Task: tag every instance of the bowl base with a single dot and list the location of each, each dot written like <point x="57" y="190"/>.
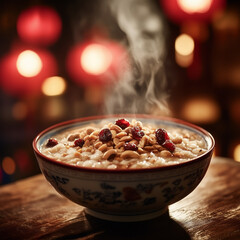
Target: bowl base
<point x="126" y="218"/>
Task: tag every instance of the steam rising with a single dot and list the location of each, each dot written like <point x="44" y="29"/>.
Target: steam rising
<point x="141" y="89"/>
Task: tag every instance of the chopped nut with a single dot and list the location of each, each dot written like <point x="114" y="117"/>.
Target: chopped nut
<point x="130" y="154"/>
<point x="177" y="140"/>
<point x="116" y="128"/>
<point x="126" y="139"/>
<point x="128" y="130"/>
<point x="103" y="148"/>
<point x="134" y="141"/>
<point x="165" y="153"/>
<point x="109" y="153"/>
<point x="141" y="151"/>
<point x="139" y="124"/>
<point x="121" y="134"/>
<point x="116" y="141"/>
<point x="113" y="133"/>
<point x="95" y="133"/>
<point x="143" y="141"/>
<point x="148" y="148"/>
<point x="90" y="130"/>
<point x="98" y="144"/>
<point x="72" y="137"/>
<point x="86" y="143"/>
<point x="119" y="145"/>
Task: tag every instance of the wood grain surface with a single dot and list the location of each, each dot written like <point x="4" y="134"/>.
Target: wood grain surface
<point x="32" y="209"/>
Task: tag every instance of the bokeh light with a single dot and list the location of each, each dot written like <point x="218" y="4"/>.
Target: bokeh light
<point x="236" y="153"/>
<point x="193" y="6"/>
<point x="54" y="109"/>
<point x="54" y="86"/>
<point x="181" y="11"/>
<point x="204" y="110"/>
<point x="96" y="59"/>
<point x="184" y="50"/>
<point x="29" y="63"/>
<point x="8" y="165"/>
<point x="96" y="63"/>
<point x="18" y="85"/>
<point x="184" y="44"/>
<point x="39" y="25"/>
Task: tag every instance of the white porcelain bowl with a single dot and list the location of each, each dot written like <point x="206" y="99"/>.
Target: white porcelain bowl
<point x="124" y="195"/>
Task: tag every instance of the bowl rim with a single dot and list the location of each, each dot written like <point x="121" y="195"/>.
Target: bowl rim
<point x="117" y="116"/>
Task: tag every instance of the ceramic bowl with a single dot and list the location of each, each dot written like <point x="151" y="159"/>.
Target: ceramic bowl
<point x="124" y="195"/>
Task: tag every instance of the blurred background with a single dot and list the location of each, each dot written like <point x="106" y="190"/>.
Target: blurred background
<point x="64" y="60"/>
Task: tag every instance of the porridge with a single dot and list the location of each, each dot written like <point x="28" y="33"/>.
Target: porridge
<point x="124" y="144"/>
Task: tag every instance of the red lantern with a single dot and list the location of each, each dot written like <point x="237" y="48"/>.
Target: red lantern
<point x="94" y="63"/>
<point x="12" y="79"/>
<point x="39" y="25"/>
<point x="186" y="10"/>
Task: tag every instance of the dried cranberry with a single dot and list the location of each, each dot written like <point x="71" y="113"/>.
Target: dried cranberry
<point x="137" y="133"/>
<point x="130" y="146"/>
<point x="122" y="123"/>
<point x="105" y="135"/>
<point x="51" y="142"/>
<point x="79" y="142"/>
<point x="169" y="145"/>
<point x="161" y="135"/>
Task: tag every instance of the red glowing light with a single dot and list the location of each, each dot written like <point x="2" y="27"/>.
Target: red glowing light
<point x="93" y="63"/>
<point x="19" y="85"/>
<point x="39" y="25"/>
<point x="189" y="6"/>
<point x="184" y="10"/>
<point x="95" y="59"/>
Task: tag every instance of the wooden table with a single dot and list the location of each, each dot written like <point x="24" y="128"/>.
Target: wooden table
<point x="32" y="209"/>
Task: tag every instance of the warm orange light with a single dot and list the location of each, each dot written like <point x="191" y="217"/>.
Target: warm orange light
<point x="29" y="63"/>
<point x="8" y="165"/>
<point x="194" y="6"/>
<point x="184" y="48"/>
<point x="184" y="44"/>
<point x="236" y="153"/>
<point x="55" y="108"/>
<point x="201" y="110"/>
<point x="96" y="59"/>
<point x="54" y="86"/>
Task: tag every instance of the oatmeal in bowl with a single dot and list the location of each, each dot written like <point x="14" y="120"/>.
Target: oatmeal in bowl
<point x="124" y="144"/>
<point x="124" y="168"/>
